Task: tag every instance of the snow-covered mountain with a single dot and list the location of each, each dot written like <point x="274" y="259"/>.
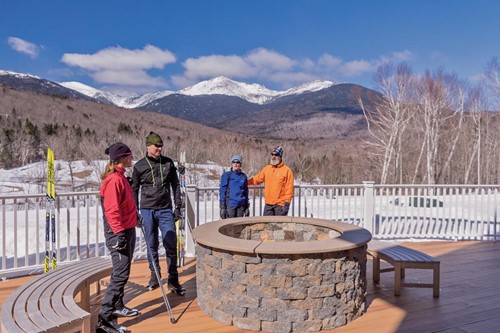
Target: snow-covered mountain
<point x="308" y="87"/>
<point x="253" y="93"/>
<point x="19" y="75"/>
<point x="122" y="101"/>
<point x="39" y="85"/>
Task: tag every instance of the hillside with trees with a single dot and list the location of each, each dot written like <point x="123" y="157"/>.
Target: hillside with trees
<point x="430" y="128"/>
<point x="80" y="130"/>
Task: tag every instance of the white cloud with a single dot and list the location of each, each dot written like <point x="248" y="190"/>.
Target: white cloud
<point x="216" y="65"/>
<point x="262" y="59"/>
<point x="128" y="69"/>
<point x="23" y="46"/>
<point x="396" y="57"/>
<point x="123" y="67"/>
<point x="330" y="61"/>
<point x="355" y="68"/>
<point x="269" y="65"/>
<point x="260" y="64"/>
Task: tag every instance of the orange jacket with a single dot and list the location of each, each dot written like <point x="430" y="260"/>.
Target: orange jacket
<point x="278" y="187"/>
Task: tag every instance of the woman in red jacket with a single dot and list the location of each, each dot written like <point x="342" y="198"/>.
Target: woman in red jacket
<point x="120" y="220"/>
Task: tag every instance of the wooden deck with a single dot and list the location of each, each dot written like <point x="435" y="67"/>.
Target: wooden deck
<point x="468" y="302"/>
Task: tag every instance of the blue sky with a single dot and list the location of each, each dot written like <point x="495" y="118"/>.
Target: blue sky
<point x="145" y="46"/>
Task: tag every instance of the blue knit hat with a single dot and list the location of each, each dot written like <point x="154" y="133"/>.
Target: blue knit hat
<point x="236" y="158"/>
<point x="278" y="151"/>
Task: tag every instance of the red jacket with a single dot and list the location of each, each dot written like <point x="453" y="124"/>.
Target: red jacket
<point x="278" y="187"/>
<point x="118" y="201"/>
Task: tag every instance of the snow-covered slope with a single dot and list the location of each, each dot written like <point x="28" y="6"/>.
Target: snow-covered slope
<point x="125" y="102"/>
<point x="19" y="75"/>
<point x="253" y="93"/>
<point x="29" y="179"/>
<point x="308" y="87"/>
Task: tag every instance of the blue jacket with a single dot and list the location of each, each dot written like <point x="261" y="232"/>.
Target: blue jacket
<point x="238" y="189"/>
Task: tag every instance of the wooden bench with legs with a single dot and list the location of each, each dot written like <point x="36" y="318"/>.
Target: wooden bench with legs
<point x="47" y="303"/>
<point x="401" y="258"/>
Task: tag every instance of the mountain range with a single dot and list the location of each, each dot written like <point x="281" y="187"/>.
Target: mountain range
<point x="315" y="110"/>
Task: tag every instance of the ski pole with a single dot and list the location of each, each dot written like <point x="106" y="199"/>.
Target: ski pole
<point x="165" y="299"/>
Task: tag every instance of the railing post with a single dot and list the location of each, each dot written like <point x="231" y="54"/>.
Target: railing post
<point x="300" y="201"/>
<point x="192" y="218"/>
<point x="368" y="206"/>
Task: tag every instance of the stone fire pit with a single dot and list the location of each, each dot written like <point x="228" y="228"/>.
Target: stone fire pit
<point x="280" y="273"/>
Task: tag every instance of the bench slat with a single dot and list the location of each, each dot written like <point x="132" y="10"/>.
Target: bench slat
<point x="49" y="302"/>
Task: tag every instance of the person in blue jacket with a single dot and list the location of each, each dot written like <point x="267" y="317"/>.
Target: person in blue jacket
<point x="233" y="192"/>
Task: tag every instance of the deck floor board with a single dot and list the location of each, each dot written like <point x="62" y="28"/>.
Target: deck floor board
<point x="468" y="299"/>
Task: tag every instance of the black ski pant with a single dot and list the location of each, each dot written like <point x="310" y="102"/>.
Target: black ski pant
<point x="236" y="211"/>
<point x="270" y="210"/>
<point x="121" y="260"/>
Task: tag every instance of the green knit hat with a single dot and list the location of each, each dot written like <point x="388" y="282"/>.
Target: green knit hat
<point x="153" y="139"/>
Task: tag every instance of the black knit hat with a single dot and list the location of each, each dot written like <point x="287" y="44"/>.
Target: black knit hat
<point x="118" y="151"/>
<point x="153" y="139"/>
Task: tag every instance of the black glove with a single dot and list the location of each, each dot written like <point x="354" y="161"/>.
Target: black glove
<point x="177" y="213"/>
<point x="285" y="208"/>
<point x="121" y="242"/>
<point x="182" y="169"/>
<point x="223" y="213"/>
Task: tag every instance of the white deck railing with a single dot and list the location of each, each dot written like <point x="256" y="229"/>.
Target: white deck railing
<point x="397" y="212"/>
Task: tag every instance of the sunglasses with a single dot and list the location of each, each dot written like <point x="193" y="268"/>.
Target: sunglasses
<point x="274" y="154"/>
<point x="159" y="146"/>
<point x="236" y="162"/>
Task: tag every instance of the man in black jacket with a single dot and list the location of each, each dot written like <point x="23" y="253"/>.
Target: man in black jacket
<point x="155" y="176"/>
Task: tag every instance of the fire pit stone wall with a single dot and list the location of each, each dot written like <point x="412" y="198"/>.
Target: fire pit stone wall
<point x="281" y="274"/>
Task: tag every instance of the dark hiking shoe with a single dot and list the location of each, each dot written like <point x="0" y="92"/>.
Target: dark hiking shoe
<point x="109" y="326"/>
<point x="175" y="286"/>
<point x="126" y="312"/>
<point x="153" y="282"/>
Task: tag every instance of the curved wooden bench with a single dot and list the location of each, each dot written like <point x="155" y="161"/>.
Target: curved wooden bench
<point x="401" y="257"/>
<point x="47" y="303"/>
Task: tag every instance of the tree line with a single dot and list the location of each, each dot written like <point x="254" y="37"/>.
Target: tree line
<point x="435" y="128"/>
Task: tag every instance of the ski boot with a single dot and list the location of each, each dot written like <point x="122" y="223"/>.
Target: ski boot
<point x="175" y="286"/>
<point x="109" y="326"/>
<point x="153" y="282"/>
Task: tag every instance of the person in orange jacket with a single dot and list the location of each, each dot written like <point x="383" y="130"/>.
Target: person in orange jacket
<point x="278" y="184"/>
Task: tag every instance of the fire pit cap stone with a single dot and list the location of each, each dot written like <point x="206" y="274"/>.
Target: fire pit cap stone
<point x="351" y="236"/>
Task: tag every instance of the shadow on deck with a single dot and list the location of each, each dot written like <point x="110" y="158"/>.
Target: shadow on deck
<point x="468" y="299"/>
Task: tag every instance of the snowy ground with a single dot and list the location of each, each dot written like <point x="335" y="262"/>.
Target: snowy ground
<point x="31" y="179"/>
<point x="462" y="214"/>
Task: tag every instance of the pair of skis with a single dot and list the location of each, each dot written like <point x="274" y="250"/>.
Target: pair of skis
<point x="50" y="260"/>
<point x="181" y="222"/>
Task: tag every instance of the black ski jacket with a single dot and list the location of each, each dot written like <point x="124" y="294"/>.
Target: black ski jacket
<point x="154" y="178"/>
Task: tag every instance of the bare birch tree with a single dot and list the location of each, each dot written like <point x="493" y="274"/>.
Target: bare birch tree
<point x="437" y="105"/>
<point x="387" y="123"/>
